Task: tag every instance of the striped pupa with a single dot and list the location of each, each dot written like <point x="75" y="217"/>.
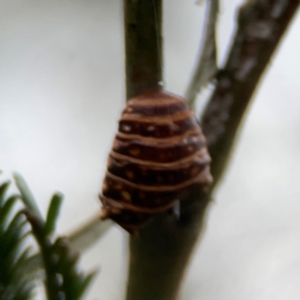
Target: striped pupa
<point x="158" y="153"/>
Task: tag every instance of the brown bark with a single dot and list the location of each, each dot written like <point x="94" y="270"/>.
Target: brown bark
<point x="159" y="255"/>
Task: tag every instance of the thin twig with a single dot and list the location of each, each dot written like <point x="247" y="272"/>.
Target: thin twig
<point x="85" y="236"/>
<point x="206" y="66"/>
<point x="81" y="239"/>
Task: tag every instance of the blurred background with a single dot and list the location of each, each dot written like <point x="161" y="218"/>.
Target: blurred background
<point x="61" y="94"/>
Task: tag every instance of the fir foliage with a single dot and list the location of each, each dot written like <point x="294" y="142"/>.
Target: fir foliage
<point x="14" y="255"/>
<point x="59" y="268"/>
<point x="62" y="279"/>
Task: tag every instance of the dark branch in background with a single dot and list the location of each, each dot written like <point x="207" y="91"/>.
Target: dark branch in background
<point x="261" y="24"/>
<point x="143" y="45"/>
<point x="159" y="256"/>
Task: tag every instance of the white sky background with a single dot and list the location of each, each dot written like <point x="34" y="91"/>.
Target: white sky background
<point x="61" y="93"/>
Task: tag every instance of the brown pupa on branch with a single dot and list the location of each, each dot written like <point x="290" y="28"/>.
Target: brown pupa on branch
<point x="158" y="153"/>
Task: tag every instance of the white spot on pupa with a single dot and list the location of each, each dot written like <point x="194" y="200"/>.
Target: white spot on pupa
<point x="134" y="151"/>
<point x="185" y="141"/>
<point x="174" y="127"/>
<point x="126" y="128"/>
<point x="151" y="128"/>
<point x="194" y="139"/>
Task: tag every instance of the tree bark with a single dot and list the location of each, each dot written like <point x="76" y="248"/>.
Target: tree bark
<point x="160" y="254"/>
<point x="143" y="45"/>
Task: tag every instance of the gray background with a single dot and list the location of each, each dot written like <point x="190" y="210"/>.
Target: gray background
<point x="61" y="93"/>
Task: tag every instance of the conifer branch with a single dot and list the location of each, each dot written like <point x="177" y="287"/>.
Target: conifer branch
<point x="15" y="282"/>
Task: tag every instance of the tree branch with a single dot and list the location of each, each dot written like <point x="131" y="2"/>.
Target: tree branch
<point x="160" y="254"/>
<point x="143" y="45"/>
<point x="261" y="25"/>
